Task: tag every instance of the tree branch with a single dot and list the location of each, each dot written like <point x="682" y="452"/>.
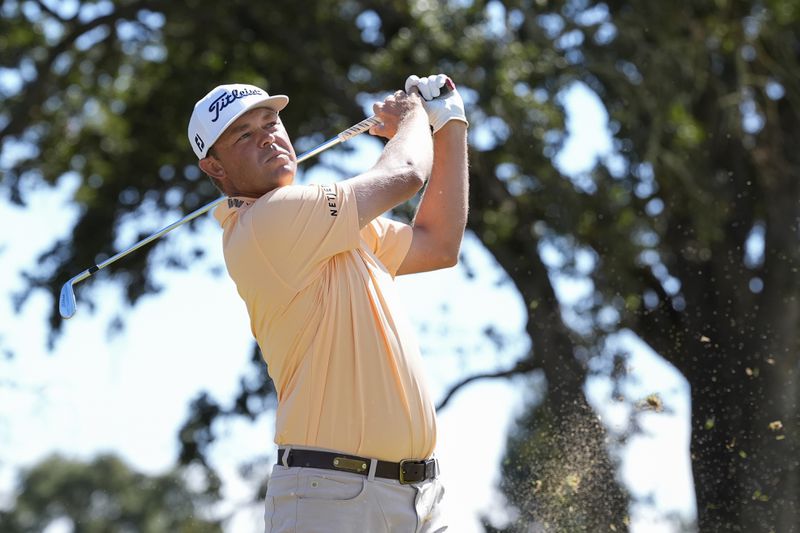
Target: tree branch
<point x="520" y="367"/>
<point x="34" y="92"/>
<point x="44" y="7"/>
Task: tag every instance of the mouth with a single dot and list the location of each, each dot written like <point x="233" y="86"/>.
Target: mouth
<point x="275" y="156"/>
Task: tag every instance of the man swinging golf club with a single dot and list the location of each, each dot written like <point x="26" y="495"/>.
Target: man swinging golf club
<point x="315" y="266"/>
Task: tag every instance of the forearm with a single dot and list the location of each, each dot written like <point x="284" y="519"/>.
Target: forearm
<point x="442" y="212"/>
<point x="411" y="146"/>
<point x="402" y="169"/>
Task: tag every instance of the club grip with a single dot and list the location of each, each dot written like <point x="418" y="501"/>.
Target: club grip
<point x="449" y="87"/>
<point x="446" y="89"/>
<point x="359" y="128"/>
<point x="367" y="123"/>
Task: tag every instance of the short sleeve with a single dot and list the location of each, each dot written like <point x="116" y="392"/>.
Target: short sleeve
<point x="300" y="227"/>
<point x="389" y="240"/>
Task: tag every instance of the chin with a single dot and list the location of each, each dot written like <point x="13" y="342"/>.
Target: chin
<point x="286" y="177"/>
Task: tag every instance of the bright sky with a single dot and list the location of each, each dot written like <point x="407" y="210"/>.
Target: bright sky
<point x="127" y="393"/>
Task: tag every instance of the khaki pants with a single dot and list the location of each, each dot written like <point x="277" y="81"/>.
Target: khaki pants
<point x="311" y="500"/>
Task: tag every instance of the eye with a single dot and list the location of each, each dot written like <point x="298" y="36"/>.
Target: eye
<point x="243" y="136"/>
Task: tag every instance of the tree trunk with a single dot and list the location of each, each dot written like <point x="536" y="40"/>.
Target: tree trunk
<point x="740" y="357"/>
<point x="744" y="451"/>
<point x="558" y="473"/>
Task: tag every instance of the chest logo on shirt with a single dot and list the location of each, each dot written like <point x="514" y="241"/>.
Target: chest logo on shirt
<point x="330" y="196"/>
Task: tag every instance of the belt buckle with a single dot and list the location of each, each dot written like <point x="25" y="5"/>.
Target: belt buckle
<point x="402" y="473"/>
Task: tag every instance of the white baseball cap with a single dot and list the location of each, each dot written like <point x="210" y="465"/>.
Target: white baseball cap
<point x="221" y="107"/>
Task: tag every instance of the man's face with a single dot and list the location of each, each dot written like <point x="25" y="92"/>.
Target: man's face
<point x="253" y="156"/>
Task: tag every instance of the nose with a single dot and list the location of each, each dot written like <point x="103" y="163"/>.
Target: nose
<point x="267" y="137"/>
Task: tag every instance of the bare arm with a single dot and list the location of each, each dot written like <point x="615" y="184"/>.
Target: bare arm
<point x="405" y="162"/>
<point x="442" y="214"/>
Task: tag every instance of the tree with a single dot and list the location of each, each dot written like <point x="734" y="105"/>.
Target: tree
<point x="106" y="495"/>
<point x="704" y="102"/>
<point x="708" y="109"/>
<point x="690" y="229"/>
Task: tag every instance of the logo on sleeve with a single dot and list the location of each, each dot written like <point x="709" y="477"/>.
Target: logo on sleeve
<point x="330" y="196"/>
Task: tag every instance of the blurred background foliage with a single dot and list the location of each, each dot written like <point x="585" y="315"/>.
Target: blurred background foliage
<point x="106" y="495"/>
<point x="688" y="232"/>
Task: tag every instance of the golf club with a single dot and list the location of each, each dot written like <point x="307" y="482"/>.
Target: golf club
<point x="66" y="301"/>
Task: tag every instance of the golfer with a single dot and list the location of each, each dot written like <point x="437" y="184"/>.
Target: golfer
<point x="315" y="266"/>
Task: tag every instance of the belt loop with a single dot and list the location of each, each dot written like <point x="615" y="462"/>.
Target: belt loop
<point x="285" y="458"/>
<point x="373" y="465"/>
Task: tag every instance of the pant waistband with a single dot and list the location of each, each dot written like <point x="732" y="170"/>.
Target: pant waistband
<point x="406" y="471"/>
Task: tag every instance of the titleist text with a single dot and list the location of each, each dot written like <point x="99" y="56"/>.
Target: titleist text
<point x="226" y="98"/>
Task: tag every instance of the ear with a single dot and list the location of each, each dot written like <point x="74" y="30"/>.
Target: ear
<point x="213" y="167"/>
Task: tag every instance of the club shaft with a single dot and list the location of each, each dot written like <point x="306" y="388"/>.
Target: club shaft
<point x="347" y="134"/>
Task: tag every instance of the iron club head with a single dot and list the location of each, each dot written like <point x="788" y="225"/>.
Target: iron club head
<point x="66" y="301"/>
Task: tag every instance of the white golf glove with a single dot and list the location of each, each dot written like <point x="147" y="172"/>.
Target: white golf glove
<point x="440" y="110"/>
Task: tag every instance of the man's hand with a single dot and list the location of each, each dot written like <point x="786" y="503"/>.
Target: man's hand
<point x="393" y="111"/>
<point x="440" y="110"/>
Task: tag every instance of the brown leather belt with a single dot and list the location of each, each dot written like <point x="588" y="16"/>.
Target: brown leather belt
<point x="406" y="471"/>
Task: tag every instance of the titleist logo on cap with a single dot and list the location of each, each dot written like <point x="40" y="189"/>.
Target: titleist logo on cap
<point x="226" y="98"/>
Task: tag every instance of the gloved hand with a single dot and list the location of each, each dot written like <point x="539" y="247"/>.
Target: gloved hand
<point x="440" y="110"/>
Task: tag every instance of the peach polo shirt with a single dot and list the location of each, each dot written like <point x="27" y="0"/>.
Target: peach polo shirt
<point x="323" y="307"/>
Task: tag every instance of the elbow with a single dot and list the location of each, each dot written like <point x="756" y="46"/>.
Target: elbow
<point x="450" y="260"/>
<point x="419" y="172"/>
<point x="419" y="168"/>
<point x="438" y="250"/>
<point x="448" y="257"/>
<point x="414" y="176"/>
